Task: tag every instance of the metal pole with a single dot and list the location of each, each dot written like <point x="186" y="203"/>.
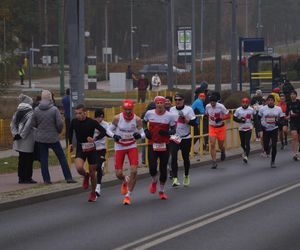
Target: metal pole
<point x="106" y="42"/>
<point x="218" y="57"/>
<point x="4" y="35"/>
<point x="233" y="47"/>
<point x="201" y="35"/>
<point x="46" y="28"/>
<point x="29" y="69"/>
<point x="81" y="52"/>
<point x="246" y="20"/>
<point x="131" y="30"/>
<point x="259" y="25"/>
<point x="193" y="49"/>
<point x="61" y="46"/>
<point x="169" y="45"/>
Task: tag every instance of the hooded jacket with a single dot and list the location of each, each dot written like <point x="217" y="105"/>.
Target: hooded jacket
<point x="21" y="124"/>
<point x="47" y="121"/>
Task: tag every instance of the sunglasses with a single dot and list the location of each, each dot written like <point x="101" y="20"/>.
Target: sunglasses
<point x="178" y="100"/>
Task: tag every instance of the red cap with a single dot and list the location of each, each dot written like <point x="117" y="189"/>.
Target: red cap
<point x="245" y="100"/>
<point x="276" y="90"/>
<point x="159" y="99"/>
<point x="128" y="104"/>
<point x="201" y="95"/>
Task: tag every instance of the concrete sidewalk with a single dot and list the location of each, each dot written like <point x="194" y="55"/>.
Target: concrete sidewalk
<point x="13" y="194"/>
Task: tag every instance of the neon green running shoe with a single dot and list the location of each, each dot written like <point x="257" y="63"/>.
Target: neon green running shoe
<point x="186" y="180"/>
<point x="175" y="182"/>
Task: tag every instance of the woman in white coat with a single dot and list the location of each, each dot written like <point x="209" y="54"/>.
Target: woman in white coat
<point x="24" y="138"/>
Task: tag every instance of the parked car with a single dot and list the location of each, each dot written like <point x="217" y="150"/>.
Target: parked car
<point x="159" y="69"/>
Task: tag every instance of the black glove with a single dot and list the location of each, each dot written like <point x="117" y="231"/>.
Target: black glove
<point x="137" y="136"/>
<point x="117" y="138"/>
<point x="218" y="120"/>
<point x="163" y="132"/>
<point x="17" y="137"/>
<point x="242" y="120"/>
<point x="147" y="133"/>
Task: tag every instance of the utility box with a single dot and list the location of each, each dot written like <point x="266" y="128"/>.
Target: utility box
<point x="119" y="83"/>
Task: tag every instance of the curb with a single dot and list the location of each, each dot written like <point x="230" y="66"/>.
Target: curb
<point x="77" y="190"/>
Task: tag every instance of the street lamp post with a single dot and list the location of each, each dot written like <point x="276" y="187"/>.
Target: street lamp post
<point x="201" y="35"/>
<point x="131" y="30"/>
<point x="193" y="48"/>
<point x="234" y="47"/>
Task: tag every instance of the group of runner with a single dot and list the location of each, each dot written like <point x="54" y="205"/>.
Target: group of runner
<point x="168" y="131"/>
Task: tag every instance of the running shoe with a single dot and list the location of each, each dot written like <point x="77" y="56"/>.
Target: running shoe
<point x="171" y="175"/>
<point x="126" y="200"/>
<point x="296" y="158"/>
<point x="163" y="196"/>
<point x="257" y="139"/>
<point x="214" y="165"/>
<point x="98" y="190"/>
<point x="124" y="188"/>
<point x="92" y="197"/>
<point x="175" y="182"/>
<point x="223" y="156"/>
<point x="245" y="159"/>
<point x="85" y="183"/>
<point x="152" y="187"/>
<point x="273" y="164"/>
<point x="186" y="180"/>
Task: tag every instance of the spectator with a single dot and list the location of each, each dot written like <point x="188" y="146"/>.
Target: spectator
<point x="199" y="109"/>
<point x="142" y="86"/>
<point x="48" y="123"/>
<point x="36" y="102"/>
<point x="287" y="89"/>
<point x="23" y="138"/>
<point x="155" y="81"/>
<point x="21" y="73"/>
<point x="203" y="88"/>
<point x="66" y="101"/>
<point x="275" y="93"/>
<point x="130" y="75"/>
<point x="257" y="99"/>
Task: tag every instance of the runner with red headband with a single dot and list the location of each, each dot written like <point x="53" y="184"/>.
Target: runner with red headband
<point x="244" y="116"/>
<point x="161" y="127"/>
<point x="216" y="113"/>
<point x="126" y="128"/>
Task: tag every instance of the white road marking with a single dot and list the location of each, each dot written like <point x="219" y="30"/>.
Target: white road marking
<point x="203" y="220"/>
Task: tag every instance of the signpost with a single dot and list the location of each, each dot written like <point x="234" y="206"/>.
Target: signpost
<point x="184" y="44"/>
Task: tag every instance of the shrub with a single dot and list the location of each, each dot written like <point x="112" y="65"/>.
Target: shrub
<point x="234" y="100"/>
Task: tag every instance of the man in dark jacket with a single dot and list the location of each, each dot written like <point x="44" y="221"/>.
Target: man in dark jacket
<point x="142" y="86"/>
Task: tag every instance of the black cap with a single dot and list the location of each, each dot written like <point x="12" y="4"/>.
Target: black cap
<point x="99" y="113"/>
<point x="179" y="95"/>
<point x="213" y="98"/>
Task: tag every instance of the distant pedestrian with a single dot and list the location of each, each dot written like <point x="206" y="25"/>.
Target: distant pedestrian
<point x="21" y="73"/>
<point x="48" y="123"/>
<point x="155" y="81"/>
<point x="142" y="86"/>
<point x="23" y="138"/>
<point x="66" y="101"/>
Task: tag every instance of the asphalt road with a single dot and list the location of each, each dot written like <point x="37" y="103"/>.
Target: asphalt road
<point x="233" y="207"/>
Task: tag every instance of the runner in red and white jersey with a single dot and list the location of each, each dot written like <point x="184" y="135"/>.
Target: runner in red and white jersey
<point x="161" y="126"/>
<point x="244" y="116"/>
<point x="216" y="113"/>
<point x="126" y="128"/>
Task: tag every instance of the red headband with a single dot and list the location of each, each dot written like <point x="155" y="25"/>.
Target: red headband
<point x="159" y="99"/>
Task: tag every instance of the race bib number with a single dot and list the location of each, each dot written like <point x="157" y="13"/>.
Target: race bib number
<point x="88" y="146"/>
<point x="159" y="146"/>
<point x="127" y="136"/>
<point x="176" y="138"/>
<point x="270" y="120"/>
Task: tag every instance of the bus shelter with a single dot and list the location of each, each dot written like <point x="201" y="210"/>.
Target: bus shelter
<point x="264" y="71"/>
